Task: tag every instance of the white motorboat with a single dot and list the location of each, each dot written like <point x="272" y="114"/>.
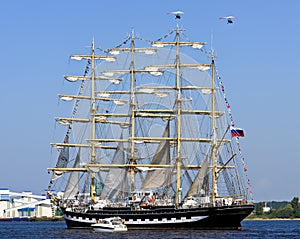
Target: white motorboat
<point x="112" y="224"/>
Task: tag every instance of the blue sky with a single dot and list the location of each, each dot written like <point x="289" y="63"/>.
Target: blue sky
<point x="257" y="57"/>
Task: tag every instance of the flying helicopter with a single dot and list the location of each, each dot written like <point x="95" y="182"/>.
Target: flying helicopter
<point x="228" y="18"/>
<point x="177" y="14"/>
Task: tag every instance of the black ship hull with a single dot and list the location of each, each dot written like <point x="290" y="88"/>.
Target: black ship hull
<point x="226" y="217"/>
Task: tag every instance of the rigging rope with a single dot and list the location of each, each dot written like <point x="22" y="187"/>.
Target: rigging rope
<point x="236" y="138"/>
<point x="118" y="46"/>
<point x="79" y="93"/>
<point x="66" y="139"/>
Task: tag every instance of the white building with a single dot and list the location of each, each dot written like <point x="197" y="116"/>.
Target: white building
<point x="25" y="205"/>
<point x="266" y="209"/>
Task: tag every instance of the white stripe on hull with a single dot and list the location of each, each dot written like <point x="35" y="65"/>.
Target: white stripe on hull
<point x="141" y="222"/>
<point x="164" y="220"/>
<point x="80" y="219"/>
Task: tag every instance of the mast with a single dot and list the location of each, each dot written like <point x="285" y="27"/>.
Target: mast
<point x="213" y="127"/>
<point x="178" y="159"/>
<point x="132" y="107"/>
<point x="93" y="125"/>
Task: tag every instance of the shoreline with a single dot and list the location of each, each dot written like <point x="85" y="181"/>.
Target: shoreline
<point x="32" y="219"/>
<point x="271" y="219"/>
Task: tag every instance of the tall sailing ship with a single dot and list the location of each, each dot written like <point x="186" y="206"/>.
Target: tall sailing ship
<point x="151" y="139"/>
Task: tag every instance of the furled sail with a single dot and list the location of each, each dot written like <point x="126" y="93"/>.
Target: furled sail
<point x="115" y="178"/>
<point x="197" y="184"/>
<point x="62" y="162"/>
<point x="160" y="176"/>
<point x="72" y="186"/>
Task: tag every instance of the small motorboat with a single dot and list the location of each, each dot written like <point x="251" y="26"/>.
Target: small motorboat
<point x="111" y="224"/>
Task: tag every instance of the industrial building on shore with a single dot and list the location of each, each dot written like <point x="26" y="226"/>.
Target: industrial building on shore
<point x="26" y="206"/>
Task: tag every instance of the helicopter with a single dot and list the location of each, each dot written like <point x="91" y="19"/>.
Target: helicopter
<point x="177" y="14"/>
<point x="228" y="18"/>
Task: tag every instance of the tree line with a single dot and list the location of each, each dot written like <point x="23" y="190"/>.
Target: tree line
<point x="278" y="209"/>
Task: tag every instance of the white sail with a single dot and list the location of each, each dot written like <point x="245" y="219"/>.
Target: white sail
<point x="159" y="177"/>
<point x="72" y="186"/>
<point x="115" y="178"/>
<point x="199" y="179"/>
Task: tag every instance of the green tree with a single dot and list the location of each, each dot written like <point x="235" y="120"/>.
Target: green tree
<point x="259" y="209"/>
<point x="286" y="212"/>
<point x="295" y="206"/>
<point x="273" y="213"/>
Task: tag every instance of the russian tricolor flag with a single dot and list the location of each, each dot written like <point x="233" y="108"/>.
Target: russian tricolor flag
<point x="236" y="132"/>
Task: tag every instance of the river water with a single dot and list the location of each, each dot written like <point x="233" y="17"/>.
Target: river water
<point x="252" y="229"/>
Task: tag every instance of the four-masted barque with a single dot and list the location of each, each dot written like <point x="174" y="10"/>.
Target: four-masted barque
<point x="149" y="140"/>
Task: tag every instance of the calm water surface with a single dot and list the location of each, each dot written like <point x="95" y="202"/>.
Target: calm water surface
<point x="54" y="230"/>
